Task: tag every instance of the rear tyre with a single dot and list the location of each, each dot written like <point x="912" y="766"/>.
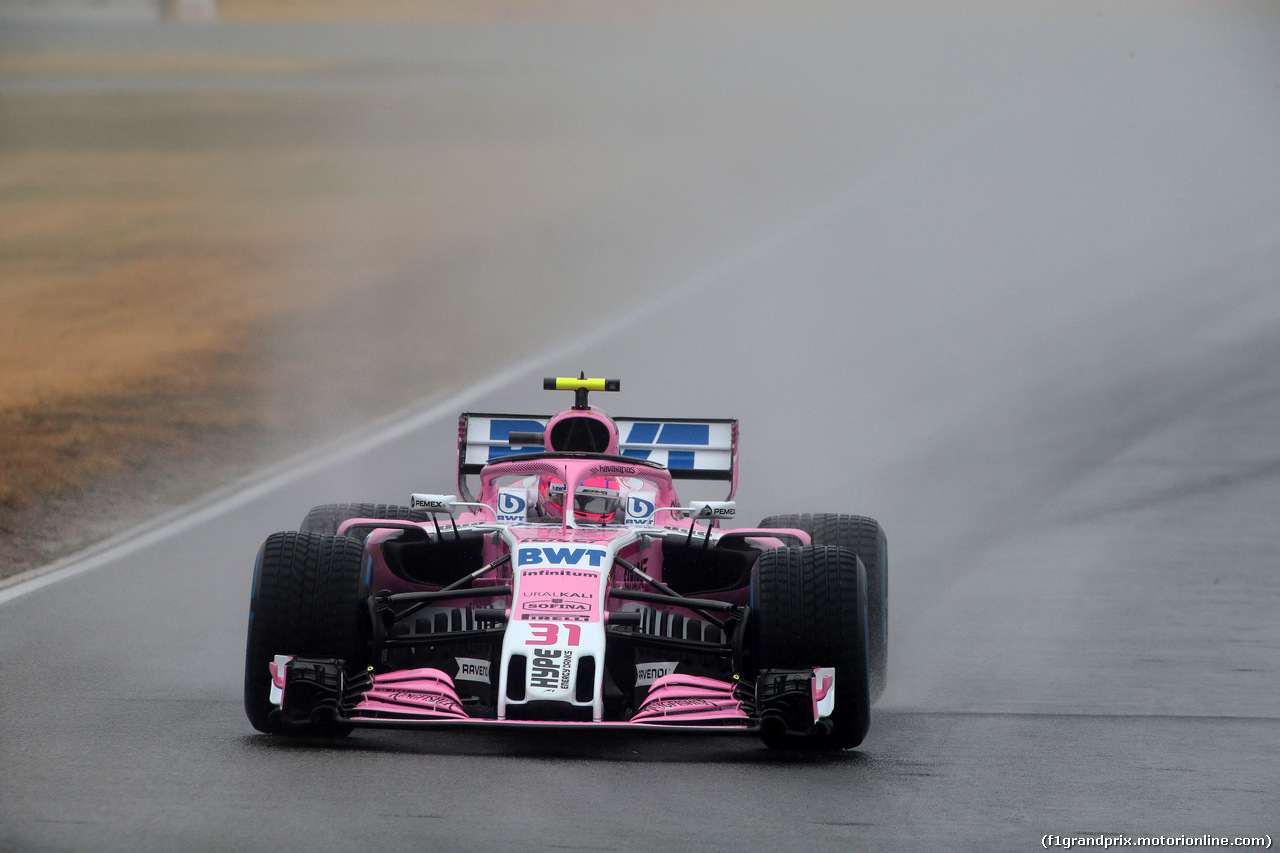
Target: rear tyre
<point x="866" y="538"/>
<point x="307" y="600"/>
<point x="808" y="609"/>
<point x="327" y="517"/>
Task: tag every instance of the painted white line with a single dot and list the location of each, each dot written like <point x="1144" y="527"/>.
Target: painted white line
<point x="246" y="491"/>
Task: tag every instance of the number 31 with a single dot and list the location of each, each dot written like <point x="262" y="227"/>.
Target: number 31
<point x="547" y="634"/>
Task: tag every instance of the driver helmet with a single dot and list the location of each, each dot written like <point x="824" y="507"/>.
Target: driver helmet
<point x="596" y="502"/>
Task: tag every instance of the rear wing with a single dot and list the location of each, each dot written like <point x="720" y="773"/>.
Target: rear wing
<point x="689" y="449"/>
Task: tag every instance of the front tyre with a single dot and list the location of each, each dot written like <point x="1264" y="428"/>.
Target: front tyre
<point x="866" y="538"/>
<point x="327" y="517"/>
<point x="809" y="609"/>
<point x="306" y="601"/>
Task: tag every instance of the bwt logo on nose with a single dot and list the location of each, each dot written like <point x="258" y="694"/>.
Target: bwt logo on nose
<point x="532" y="556"/>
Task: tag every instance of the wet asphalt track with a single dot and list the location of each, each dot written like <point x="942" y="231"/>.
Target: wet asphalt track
<point x="1009" y="282"/>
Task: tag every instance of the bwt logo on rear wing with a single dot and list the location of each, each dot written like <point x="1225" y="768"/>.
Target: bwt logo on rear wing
<point x="689" y="449"/>
<point x="694" y="450"/>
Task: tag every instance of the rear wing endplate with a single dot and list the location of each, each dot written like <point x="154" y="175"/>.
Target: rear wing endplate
<point x="689" y="449"/>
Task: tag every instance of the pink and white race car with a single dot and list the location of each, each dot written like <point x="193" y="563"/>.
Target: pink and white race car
<point x="575" y="589"/>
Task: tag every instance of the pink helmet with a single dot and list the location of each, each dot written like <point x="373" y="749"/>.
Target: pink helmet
<point x="596" y="501"/>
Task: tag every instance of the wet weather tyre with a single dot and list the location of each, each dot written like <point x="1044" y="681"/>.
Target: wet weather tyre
<point x="307" y="600"/>
<point x="866" y="538"/>
<point x="327" y="517"/>
<point x="808" y="609"/>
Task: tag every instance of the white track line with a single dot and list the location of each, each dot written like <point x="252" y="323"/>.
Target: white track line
<point x="245" y="491"/>
<point x="249" y="489"/>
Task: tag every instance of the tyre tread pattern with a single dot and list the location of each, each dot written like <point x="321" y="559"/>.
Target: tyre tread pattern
<point x="809" y="610"/>
<point x="866" y="538"/>
<point x="305" y="602"/>
<point x="326" y="517"/>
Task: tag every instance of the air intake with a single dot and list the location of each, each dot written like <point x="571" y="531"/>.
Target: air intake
<point x="579" y="435"/>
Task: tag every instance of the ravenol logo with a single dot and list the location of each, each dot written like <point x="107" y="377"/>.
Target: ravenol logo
<point x="530" y="555"/>
<point x="472" y="669"/>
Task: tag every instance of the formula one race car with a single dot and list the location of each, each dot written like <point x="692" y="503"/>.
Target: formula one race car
<point x="576" y="589"/>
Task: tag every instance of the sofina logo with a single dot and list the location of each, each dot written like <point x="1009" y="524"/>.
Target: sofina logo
<point x="640" y="508"/>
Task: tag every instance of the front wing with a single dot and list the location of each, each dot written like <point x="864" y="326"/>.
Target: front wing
<point x="307" y="691"/>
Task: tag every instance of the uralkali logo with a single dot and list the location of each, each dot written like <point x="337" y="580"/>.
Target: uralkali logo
<point x="559" y="594"/>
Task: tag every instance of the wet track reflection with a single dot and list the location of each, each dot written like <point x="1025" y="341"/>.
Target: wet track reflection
<point x="1005" y="280"/>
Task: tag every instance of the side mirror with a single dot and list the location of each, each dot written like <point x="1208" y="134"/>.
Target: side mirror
<point x="434" y="503"/>
<point x="714" y="509"/>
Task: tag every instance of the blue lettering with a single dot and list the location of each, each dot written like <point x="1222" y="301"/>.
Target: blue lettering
<point x="680" y="460"/>
<point x="685" y="434"/>
<point x="528" y="556"/>
<point x="501" y="428"/>
<point x="564" y="555"/>
<point x="643" y="433"/>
